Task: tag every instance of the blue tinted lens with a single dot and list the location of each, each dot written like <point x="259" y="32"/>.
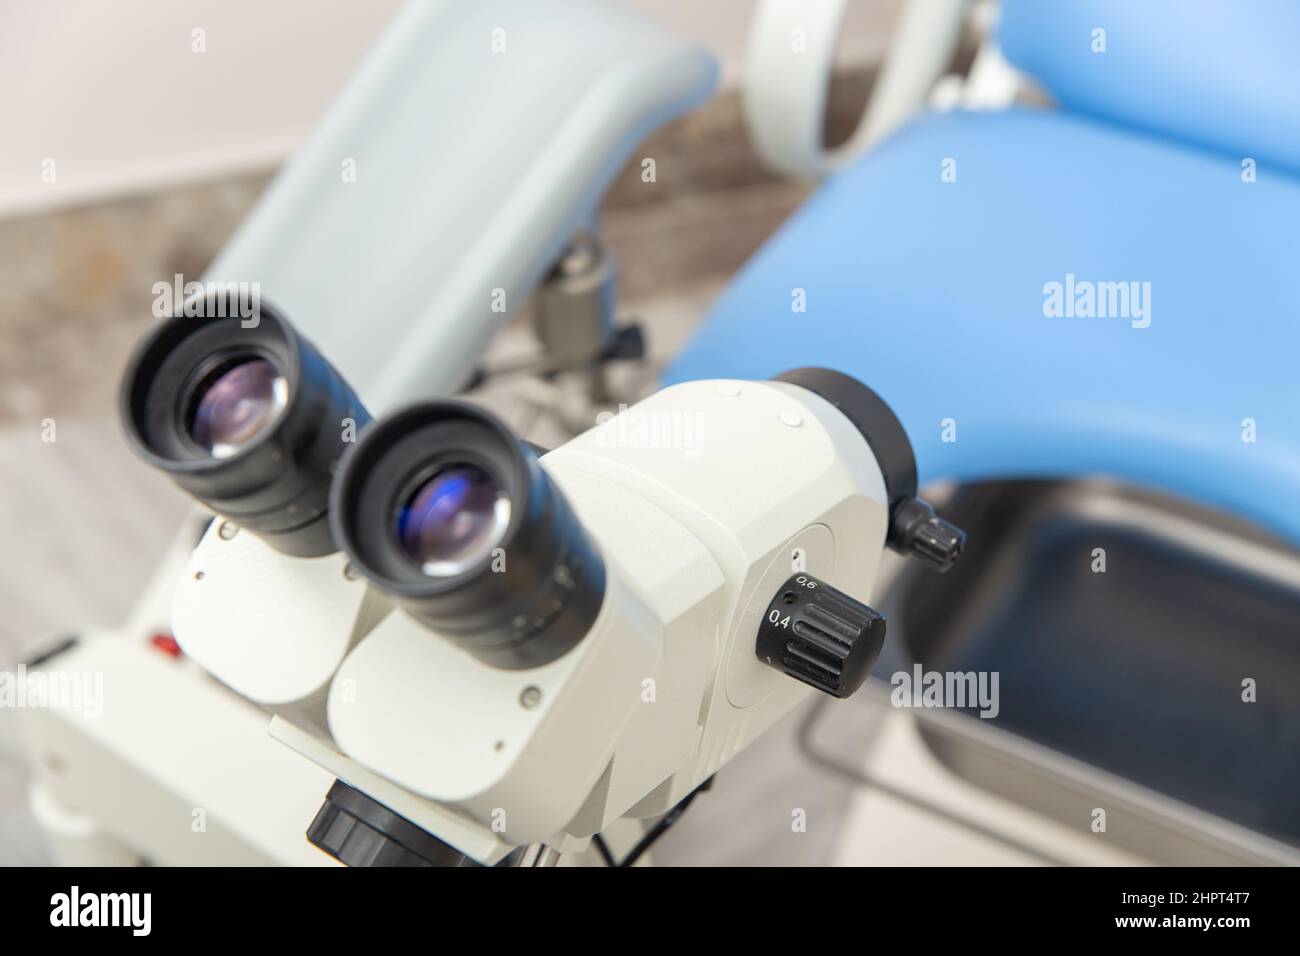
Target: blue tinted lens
<point x="453" y="520"/>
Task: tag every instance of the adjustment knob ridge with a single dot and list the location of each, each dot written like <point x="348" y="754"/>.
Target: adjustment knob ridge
<point x="819" y="635"/>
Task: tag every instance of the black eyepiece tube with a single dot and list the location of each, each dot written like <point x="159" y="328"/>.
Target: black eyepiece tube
<point x="442" y="508"/>
<point x="245" y="415"/>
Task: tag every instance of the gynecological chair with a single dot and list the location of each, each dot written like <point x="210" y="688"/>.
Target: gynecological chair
<point x="1099" y="285"/>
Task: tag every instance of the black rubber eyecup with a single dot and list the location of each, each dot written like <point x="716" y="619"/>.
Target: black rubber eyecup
<point x="528" y="599"/>
<point x="276" y="483"/>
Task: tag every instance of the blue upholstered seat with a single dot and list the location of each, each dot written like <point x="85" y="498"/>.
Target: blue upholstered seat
<point x="939" y="295"/>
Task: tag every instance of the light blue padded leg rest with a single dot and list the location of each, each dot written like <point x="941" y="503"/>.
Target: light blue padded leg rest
<point x="933" y="294"/>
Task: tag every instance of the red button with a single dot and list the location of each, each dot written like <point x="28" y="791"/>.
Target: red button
<point x="167" y="644"/>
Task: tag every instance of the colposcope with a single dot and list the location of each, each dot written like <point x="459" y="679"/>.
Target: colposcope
<point x="515" y="650"/>
<point x="322" y="248"/>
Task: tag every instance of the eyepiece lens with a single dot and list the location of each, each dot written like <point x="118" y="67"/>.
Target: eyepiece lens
<point x="453" y="520"/>
<point x="236" y="404"/>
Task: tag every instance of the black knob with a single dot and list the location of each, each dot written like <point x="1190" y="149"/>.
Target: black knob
<point x="358" y="830"/>
<point x="916" y="530"/>
<point x="820" y="635"/>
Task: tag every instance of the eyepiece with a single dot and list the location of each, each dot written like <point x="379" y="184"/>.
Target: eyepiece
<point x="444" y="509"/>
<point x="245" y="415"/>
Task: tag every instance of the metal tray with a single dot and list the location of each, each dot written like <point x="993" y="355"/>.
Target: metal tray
<point x="1124" y="688"/>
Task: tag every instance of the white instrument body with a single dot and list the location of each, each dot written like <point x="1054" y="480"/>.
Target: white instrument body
<point x="697" y="535"/>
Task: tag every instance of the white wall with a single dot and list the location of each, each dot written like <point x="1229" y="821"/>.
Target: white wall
<point x="113" y="92"/>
